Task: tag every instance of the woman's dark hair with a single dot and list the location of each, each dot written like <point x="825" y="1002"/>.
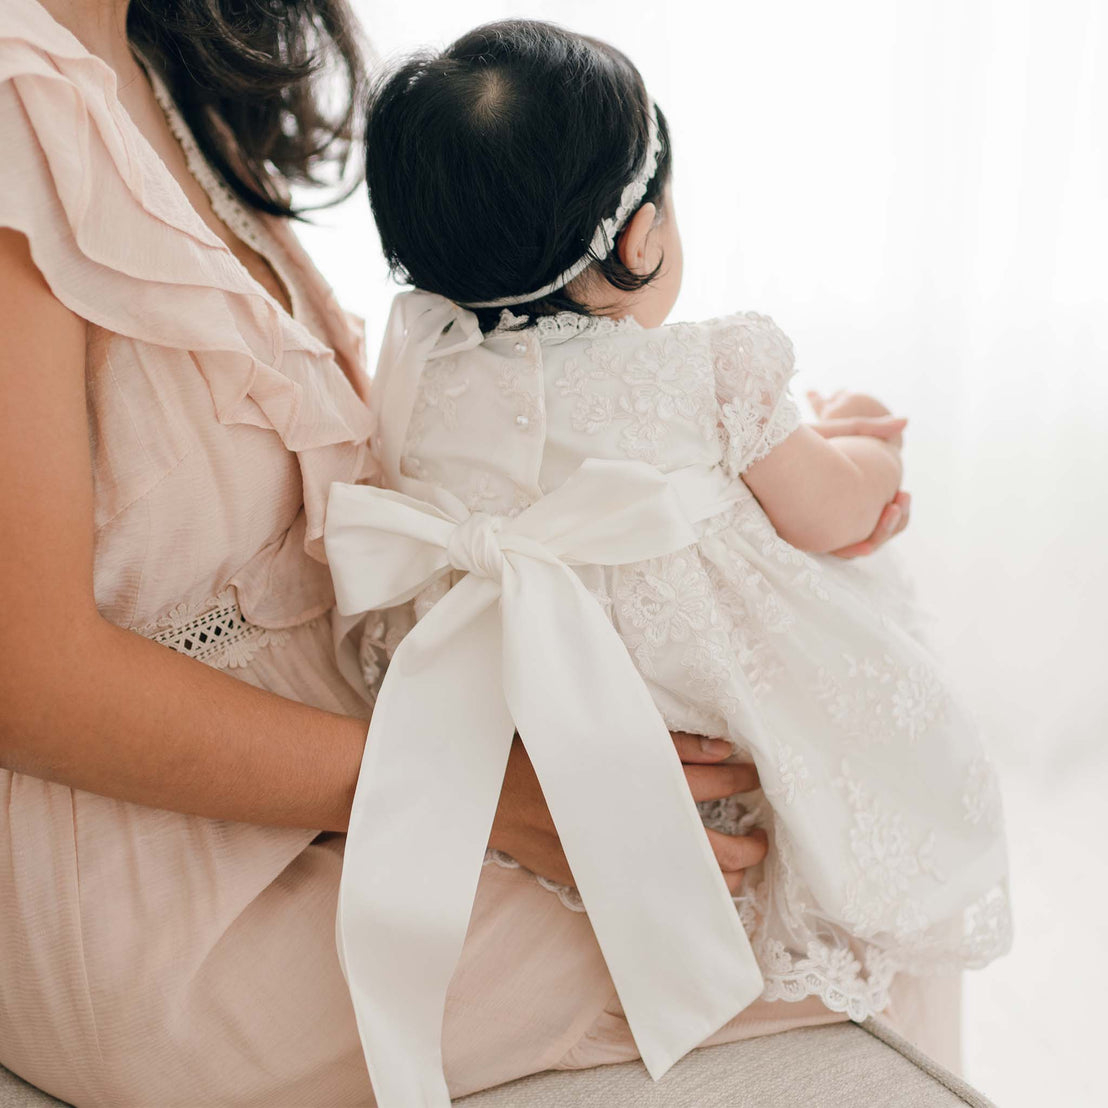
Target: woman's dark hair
<point x="491" y="165"/>
<point x="270" y="88"/>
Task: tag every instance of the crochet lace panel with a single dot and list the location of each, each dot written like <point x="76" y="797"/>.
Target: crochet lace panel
<point x="214" y="632"/>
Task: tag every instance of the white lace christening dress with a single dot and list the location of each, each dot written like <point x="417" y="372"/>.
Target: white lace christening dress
<point x="886" y="846"/>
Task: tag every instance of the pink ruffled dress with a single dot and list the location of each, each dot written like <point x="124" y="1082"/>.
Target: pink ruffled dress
<point x="149" y="957"/>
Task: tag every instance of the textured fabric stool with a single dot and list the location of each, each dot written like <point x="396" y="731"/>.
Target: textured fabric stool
<point x="840" y="1065"/>
<point x="18" y="1094"/>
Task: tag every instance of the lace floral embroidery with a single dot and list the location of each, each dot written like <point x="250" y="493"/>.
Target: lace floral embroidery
<point x="793" y="778"/>
<point x="881" y="698"/>
<point x="660" y="381"/>
<point x="751" y="523"/>
<point x="666" y="600"/>
<point x="753" y="361"/>
<point x="439" y="390"/>
<point x="888" y="858"/>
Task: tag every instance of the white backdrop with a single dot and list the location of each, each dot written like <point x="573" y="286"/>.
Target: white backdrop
<point x="917" y="191"/>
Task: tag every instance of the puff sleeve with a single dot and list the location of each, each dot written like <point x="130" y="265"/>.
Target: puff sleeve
<point x="753" y="363"/>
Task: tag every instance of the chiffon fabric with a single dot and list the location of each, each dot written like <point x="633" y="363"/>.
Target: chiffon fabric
<point x="154" y="958"/>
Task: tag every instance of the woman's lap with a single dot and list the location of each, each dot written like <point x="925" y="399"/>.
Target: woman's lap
<point x="151" y="957"/>
<point x="156" y="958"/>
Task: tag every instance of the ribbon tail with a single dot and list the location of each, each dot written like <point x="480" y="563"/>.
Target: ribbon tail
<point x="427" y="792"/>
<point x="670" y="934"/>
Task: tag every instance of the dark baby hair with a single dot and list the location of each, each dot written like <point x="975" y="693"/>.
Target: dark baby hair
<point x="490" y="165"/>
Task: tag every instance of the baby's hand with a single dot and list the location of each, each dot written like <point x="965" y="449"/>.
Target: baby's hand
<point x="842" y="403"/>
<point x="843" y="407"/>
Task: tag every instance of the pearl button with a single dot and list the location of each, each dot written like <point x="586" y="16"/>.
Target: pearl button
<point x="520" y="348"/>
<point x="522" y="420"/>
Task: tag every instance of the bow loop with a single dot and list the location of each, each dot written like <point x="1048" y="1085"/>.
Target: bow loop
<point x="422" y="327"/>
<point x="382" y="547"/>
<point x="438" y="326"/>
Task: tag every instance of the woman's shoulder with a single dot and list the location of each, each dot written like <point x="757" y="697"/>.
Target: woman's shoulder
<point x="40" y="60"/>
<point x="67" y="138"/>
<point x="27" y="27"/>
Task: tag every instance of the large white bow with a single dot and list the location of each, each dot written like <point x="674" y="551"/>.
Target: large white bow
<point x="520" y="643"/>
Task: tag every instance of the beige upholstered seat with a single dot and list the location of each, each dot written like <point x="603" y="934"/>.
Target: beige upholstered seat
<point x="840" y="1065"/>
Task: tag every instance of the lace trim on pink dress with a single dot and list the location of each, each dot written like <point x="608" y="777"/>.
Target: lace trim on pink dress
<point x="215" y="632"/>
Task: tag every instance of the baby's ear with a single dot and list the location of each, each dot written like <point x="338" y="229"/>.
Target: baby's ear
<point x="631" y="246"/>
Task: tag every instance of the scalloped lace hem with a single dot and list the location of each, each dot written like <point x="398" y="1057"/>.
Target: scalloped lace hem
<point x="832" y="973"/>
<point x="567" y="894"/>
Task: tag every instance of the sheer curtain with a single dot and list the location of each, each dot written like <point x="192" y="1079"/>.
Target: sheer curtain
<point x="918" y="193"/>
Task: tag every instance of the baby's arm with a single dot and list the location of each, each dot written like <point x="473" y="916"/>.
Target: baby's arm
<point x="823" y="494"/>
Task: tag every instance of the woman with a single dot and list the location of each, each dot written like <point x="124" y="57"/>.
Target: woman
<point x="179" y="751"/>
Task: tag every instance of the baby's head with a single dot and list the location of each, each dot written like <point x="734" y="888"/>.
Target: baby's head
<point x="492" y="165"/>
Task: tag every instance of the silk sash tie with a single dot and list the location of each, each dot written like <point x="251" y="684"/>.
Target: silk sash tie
<point x="519" y="642"/>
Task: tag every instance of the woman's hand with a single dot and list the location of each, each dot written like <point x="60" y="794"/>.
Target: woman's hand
<point x="523" y="827"/>
<point x="850" y="413"/>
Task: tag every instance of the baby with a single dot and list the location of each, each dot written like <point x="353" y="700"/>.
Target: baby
<point x="535" y="411"/>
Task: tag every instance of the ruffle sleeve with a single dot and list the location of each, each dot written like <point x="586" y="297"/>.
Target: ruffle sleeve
<point x="753" y="363"/>
<point x="120" y="245"/>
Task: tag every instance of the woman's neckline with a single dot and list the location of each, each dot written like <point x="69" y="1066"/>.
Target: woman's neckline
<point x="227" y="207"/>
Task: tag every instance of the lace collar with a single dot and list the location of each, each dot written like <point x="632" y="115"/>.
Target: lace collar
<point x="564" y="325"/>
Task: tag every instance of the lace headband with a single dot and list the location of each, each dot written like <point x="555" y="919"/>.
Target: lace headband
<point x="605" y="236"/>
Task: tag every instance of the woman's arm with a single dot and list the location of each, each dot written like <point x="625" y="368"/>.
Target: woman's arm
<point x="84" y="702"/>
